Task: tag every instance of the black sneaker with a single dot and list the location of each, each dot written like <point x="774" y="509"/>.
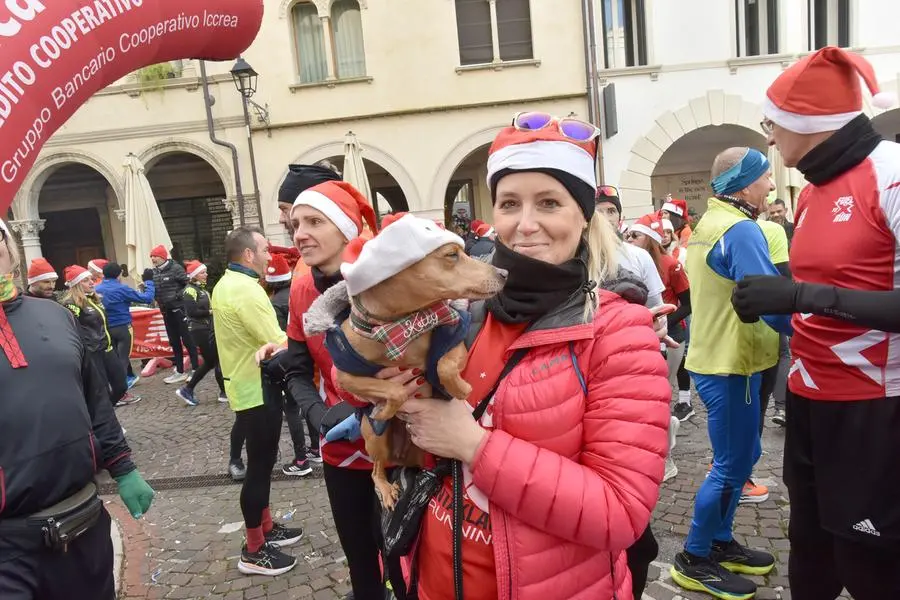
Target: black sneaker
<point x="780" y="417"/>
<point x="738" y="559"/>
<point x="314" y="456"/>
<point x="705" y="575"/>
<point x="297" y="468"/>
<point x="683" y="411"/>
<point x="268" y="560"/>
<point x="283" y="536"/>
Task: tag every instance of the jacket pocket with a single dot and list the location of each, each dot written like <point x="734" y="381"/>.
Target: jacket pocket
<point x="2" y="491"/>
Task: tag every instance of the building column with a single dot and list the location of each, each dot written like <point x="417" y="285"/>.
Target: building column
<point x="29" y="232"/>
<point x="329" y="47"/>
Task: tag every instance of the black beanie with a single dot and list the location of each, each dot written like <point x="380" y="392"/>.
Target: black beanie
<point x="301" y="178"/>
<point x="614" y="200"/>
<point x="579" y="190"/>
<point x="112" y="270"/>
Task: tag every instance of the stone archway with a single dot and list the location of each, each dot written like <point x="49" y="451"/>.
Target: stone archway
<point x="150" y="155"/>
<point x="457" y="155"/>
<point x="372" y="154"/>
<point x="712" y="109"/>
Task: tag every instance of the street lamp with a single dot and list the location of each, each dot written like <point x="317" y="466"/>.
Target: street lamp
<point x="244" y="77"/>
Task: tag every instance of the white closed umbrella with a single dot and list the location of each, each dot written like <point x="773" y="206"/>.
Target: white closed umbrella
<point x="144" y="225"/>
<point x="354" y="167"/>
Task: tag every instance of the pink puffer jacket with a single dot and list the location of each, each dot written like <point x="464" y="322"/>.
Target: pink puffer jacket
<point x="572" y="480"/>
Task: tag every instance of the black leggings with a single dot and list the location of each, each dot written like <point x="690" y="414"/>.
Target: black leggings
<point x="684" y="378"/>
<point x="178" y="334"/>
<point x="640" y="555"/>
<point x="295" y="420"/>
<point x="774" y="381"/>
<point x="237" y="438"/>
<point x="111" y="369"/>
<point x="206" y="343"/>
<point x="122" y="340"/>
<point x="355" y="510"/>
<point x="262" y="426"/>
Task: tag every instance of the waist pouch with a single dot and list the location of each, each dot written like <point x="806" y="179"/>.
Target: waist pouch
<point x="56" y="527"/>
<point x="401" y="525"/>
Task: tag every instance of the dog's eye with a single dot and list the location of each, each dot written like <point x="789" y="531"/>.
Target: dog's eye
<point x="453" y="255"/>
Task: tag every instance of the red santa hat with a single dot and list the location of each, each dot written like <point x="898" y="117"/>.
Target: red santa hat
<point x="342" y="204"/>
<point x="159" y="252"/>
<point x="821" y="92"/>
<point x="405" y="240"/>
<point x="279" y="269"/>
<point x="194" y="268"/>
<point x="650" y="225"/>
<point x="41" y="270"/>
<point x="96" y="265"/>
<point x="676" y="207"/>
<point x="667" y="225"/>
<point x="75" y="274"/>
<point x="484" y="230"/>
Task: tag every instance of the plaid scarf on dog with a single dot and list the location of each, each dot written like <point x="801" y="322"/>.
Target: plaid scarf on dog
<point x="398" y="335"/>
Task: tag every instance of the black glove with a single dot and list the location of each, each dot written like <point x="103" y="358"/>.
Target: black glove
<point x="148" y="275"/>
<point x="764" y="295"/>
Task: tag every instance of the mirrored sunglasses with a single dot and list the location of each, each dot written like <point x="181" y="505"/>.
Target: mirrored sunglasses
<point x="573" y="129"/>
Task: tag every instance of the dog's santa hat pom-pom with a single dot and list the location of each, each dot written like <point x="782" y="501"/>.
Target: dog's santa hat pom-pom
<point x="884" y="100"/>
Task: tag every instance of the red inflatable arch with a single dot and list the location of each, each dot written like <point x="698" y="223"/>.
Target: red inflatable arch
<point x="54" y="54"/>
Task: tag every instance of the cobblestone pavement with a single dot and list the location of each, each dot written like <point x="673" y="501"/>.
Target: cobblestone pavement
<point x="188" y="543"/>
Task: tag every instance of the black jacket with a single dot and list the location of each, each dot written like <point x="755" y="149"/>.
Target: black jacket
<point x="91" y="321"/>
<point x="483" y="246"/>
<point x="197" y="307"/>
<point x="281" y="302"/>
<point x="169" y="279"/>
<point x="57" y="424"/>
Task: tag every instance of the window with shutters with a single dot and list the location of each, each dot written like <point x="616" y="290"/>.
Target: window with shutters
<point x="757" y="27"/>
<point x="829" y="23"/>
<point x="493" y="31"/>
<point x="624" y="33"/>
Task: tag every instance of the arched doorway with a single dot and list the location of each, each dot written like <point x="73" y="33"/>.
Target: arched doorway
<point x="683" y="170"/>
<point x="77" y="204"/>
<point x="388" y="196"/>
<point x="467" y="196"/>
<point x="191" y="199"/>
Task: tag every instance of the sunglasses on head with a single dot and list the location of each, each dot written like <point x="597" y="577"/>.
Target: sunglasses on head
<point x="573" y="129"/>
<point x="607" y="191"/>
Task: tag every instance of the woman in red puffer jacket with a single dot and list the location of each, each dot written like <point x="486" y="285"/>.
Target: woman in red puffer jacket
<point x="562" y="470"/>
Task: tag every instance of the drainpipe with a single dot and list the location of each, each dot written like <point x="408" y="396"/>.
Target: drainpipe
<point x="590" y="66"/>
<point x="208" y="101"/>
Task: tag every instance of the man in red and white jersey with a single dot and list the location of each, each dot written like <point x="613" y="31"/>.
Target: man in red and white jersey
<point x="842" y="450"/>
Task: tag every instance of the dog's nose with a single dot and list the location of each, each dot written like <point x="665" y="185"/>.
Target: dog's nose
<point x="503" y="273"/>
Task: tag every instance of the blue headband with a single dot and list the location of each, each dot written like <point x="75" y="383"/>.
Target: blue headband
<point x="751" y="167"/>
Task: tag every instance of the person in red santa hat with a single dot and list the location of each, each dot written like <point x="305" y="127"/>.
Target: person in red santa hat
<point x="95" y="266"/>
<point x="170" y="279"/>
<point x="484" y="241"/>
<point x="676" y="212"/>
<point x="842" y="447"/>
<point x="42" y="278"/>
<point x="324" y="219"/>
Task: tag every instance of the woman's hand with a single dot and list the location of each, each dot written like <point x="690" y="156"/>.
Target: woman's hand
<point x="661" y="325"/>
<point x="410" y="379"/>
<point x="268" y="351"/>
<point x="442" y="427"/>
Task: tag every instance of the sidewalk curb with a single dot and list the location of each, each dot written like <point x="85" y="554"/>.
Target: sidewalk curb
<point x="118" y="553"/>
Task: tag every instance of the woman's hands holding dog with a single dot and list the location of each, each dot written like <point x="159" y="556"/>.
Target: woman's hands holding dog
<point x="445" y="428"/>
<point x="410" y="379"/>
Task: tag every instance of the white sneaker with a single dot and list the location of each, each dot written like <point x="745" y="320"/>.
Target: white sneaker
<point x="671" y="469"/>
<point x="223" y="398"/>
<point x="175" y="377"/>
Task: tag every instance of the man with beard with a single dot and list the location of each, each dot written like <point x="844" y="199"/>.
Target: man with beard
<point x="42" y="279"/>
<point x="842" y="448"/>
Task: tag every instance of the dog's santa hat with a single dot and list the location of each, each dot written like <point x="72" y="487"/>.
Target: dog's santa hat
<point x="75" y="274"/>
<point x="41" y="270"/>
<point x="546" y="151"/>
<point x="342" y="204"/>
<point x="96" y="265"/>
<point x="676" y="207"/>
<point x="821" y="92"/>
<point x="279" y="269"/>
<point x="650" y="225"/>
<point x="404" y="240"/>
<point x="194" y="268"/>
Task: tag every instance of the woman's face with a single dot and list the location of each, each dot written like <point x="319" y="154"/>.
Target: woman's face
<point x="536" y="216"/>
<point x="315" y="236"/>
<point x="667" y="238"/>
<point x="202" y="277"/>
<point x="87" y="285"/>
<point x="638" y="239"/>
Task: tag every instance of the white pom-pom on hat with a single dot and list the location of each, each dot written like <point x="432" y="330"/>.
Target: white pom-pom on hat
<point x="271" y="269"/>
<point x="884" y="100"/>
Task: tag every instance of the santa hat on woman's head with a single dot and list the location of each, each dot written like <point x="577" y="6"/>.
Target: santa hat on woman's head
<point x="278" y="270"/>
<point x="821" y="92"/>
<point x="676" y="207"/>
<point x="194" y="268"/>
<point x="546" y="151"/>
<point x="75" y="274"/>
<point x="159" y="252"/>
<point x="650" y="225"/>
<point x="41" y="270"/>
<point x="484" y="230"/>
<point x="96" y="265"/>
<point x="401" y="243"/>
<point x="342" y="204"/>
<point x="667" y="225"/>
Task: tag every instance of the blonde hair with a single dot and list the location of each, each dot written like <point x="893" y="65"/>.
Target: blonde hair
<point x="602" y="244"/>
<point x="76" y="296"/>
